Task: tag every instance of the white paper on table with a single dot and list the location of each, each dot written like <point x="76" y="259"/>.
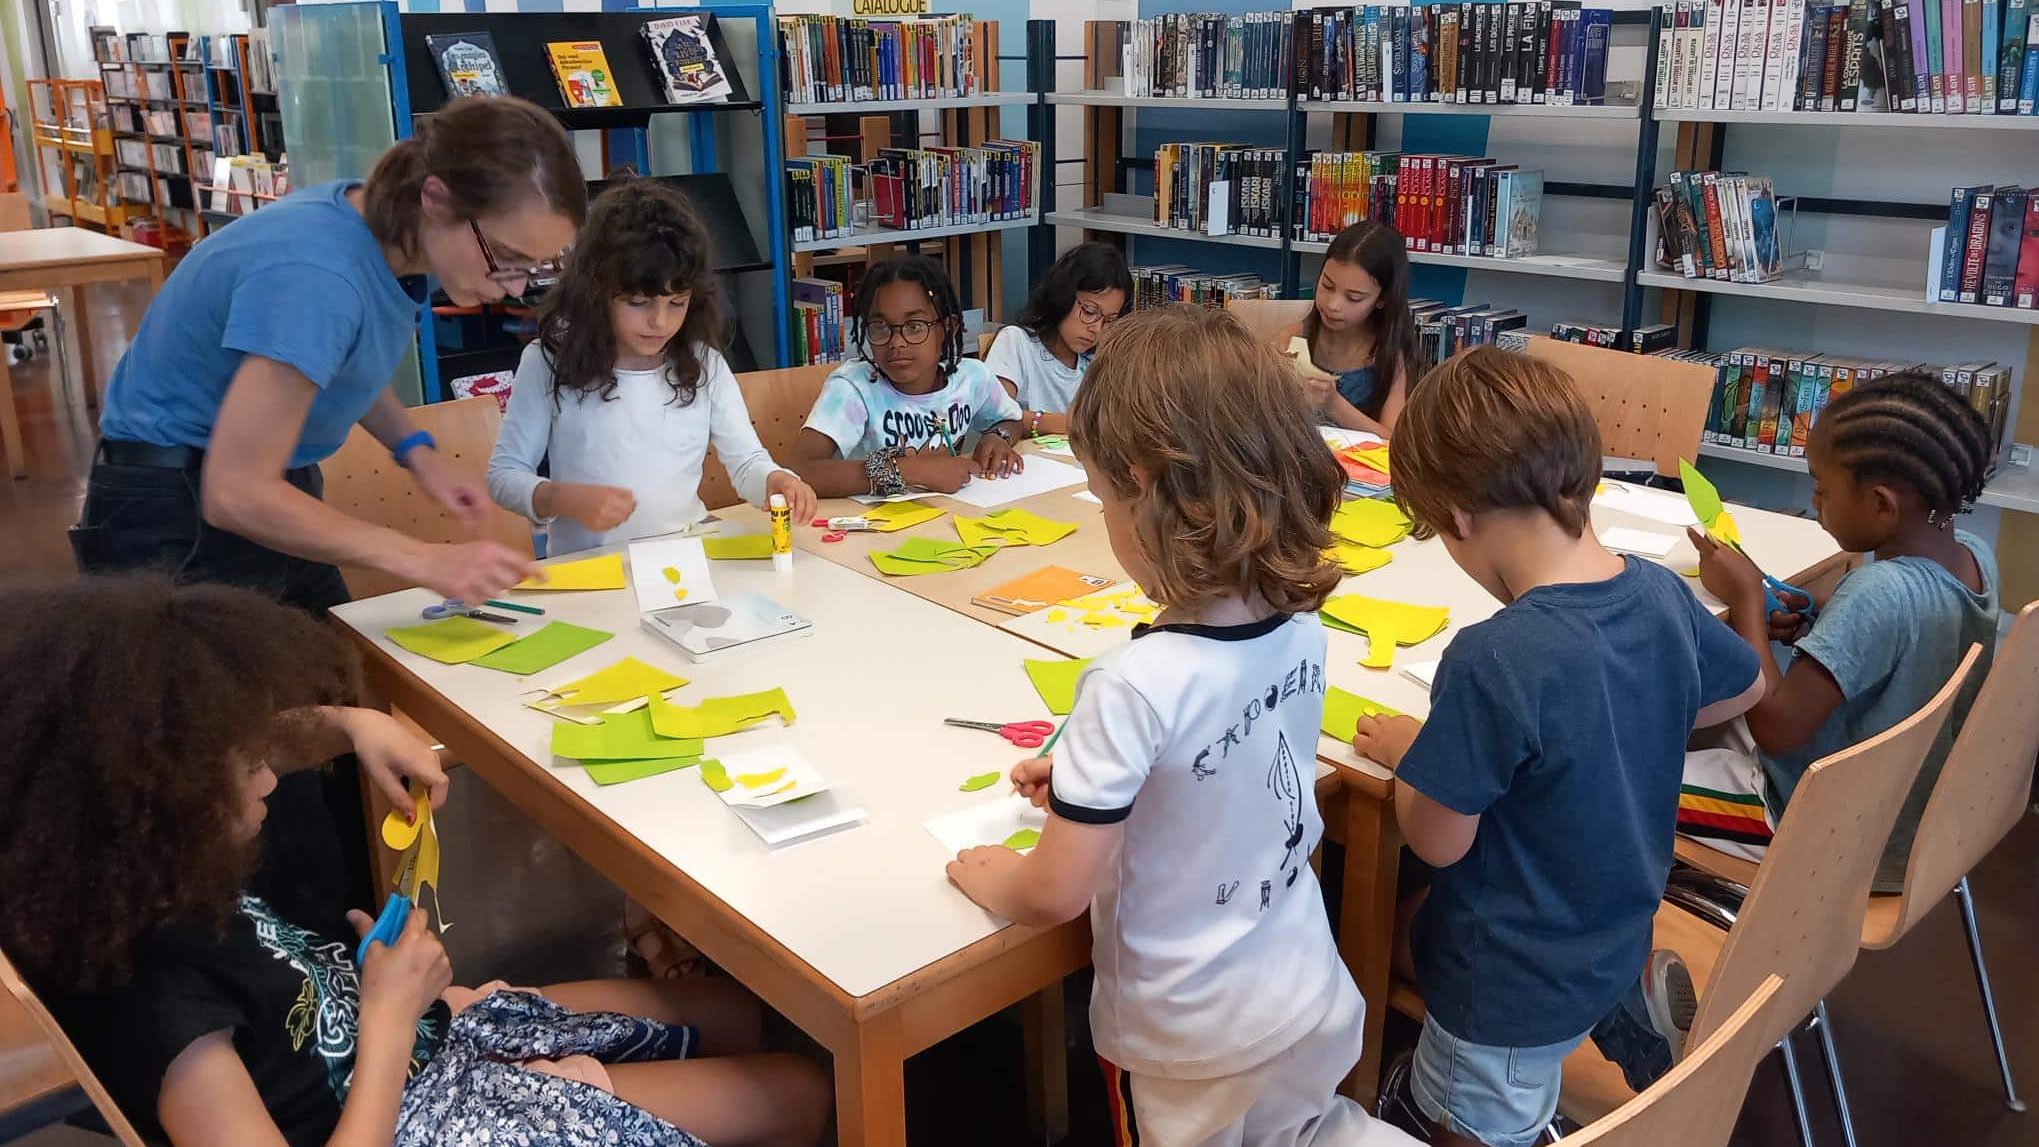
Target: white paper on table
<point x="783" y="823"/>
<point x="1642" y="543"/>
<point x="1087" y="496"/>
<point x="649" y="562"/>
<point x="882" y="499"/>
<point x="1657" y="505"/>
<point x="986" y="822"/>
<point x="1040" y="476"/>
<point x="800" y="780"/>
<point x="1421" y="672"/>
<point x="1339" y="438"/>
<point x="1061" y="448"/>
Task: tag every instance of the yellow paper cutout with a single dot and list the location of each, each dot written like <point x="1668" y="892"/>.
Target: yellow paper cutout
<point x="716" y="777"/>
<point x="1055" y="681"/>
<point x="1343" y="710"/>
<point x="400" y="832"/>
<point x="1023" y="839"/>
<point x="979" y="783"/>
<point x="626" y="680"/>
<point x="452" y="640"/>
<point x="719" y="716"/>
<point x="738" y="547"/>
<point x="1058" y="615"/>
<point x="672" y="574"/>
<point x="1012" y="527"/>
<point x="1355" y="559"/>
<point x="760" y="780"/>
<point x="1387" y="624"/>
<point x="1370" y="522"/>
<point x="900" y="515"/>
<point x="1374" y="456"/>
<point x="605" y="572"/>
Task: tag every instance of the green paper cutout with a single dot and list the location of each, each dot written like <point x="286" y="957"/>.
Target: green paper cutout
<point x="716" y="777"/>
<point x="1055" y="681"/>
<point x="452" y="640"/>
<point x="544" y="649"/>
<point x="738" y="547"/>
<point x="1012" y="528"/>
<point x="1343" y="710"/>
<point x="1023" y="839"/>
<point x="1702" y="495"/>
<point x="620" y="737"/>
<point x="931" y="555"/>
<point x="719" y="716"/>
<point x="617" y="772"/>
<point x="1386" y="624"/>
<point x="979" y="783"/>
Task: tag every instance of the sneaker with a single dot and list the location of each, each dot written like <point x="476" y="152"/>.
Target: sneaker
<point x="1645" y="1033"/>
<point x="1395" y="1105"/>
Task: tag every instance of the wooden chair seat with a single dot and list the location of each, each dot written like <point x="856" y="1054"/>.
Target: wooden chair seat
<point x="30" y="1069"/>
<point x="1883" y="925"/>
<point x="1714" y="862"/>
<point x="17" y="999"/>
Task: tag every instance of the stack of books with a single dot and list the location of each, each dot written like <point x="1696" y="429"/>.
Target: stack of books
<point x="1208" y="54"/>
<point x="1443" y="330"/>
<point x="818" y="323"/>
<point x="1162" y="286"/>
<point x="1218" y="188"/>
<point x="1959" y="57"/>
<point x="1551" y="52"/>
<point x="1768" y="401"/>
<point x="1450" y="205"/>
<point x="1989" y="253"/>
<point x="1662" y="338"/>
<point x="840" y="59"/>
<point x="818" y="197"/>
<point x="1719" y="225"/>
<point x="913" y="188"/>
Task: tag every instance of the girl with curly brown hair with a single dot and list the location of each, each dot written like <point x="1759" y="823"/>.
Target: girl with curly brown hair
<point x="624" y="389"/>
<point x="144" y="729"/>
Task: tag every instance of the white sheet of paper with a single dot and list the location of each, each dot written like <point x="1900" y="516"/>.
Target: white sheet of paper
<point x="1087" y="496"/>
<point x="986" y="822"/>
<point x="1040" y="476"/>
<point x="1421" y="672"/>
<point x="881" y="499"/>
<point x="1643" y="543"/>
<point x="783" y="823"/>
<point x="1343" y="439"/>
<point x="800" y="780"/>
<point x="1656" y="505"/>
<point x="649" y="562"/>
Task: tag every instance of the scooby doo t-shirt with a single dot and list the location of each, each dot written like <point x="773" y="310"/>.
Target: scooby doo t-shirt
<point x="861" y="412"/>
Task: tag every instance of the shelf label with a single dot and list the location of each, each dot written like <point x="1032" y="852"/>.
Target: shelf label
<point x="889" y="7"/>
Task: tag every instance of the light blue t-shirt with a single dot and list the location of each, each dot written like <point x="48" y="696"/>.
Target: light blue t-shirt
<point x="860" y="411"/>
<point x="1892" y="634"/>
<point x="302" y="281"/>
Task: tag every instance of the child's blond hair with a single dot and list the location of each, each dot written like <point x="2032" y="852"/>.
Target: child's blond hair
<point x="1204" y="428"/>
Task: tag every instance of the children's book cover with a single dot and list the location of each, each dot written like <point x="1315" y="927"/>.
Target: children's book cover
<point x="684" y="55"/>
<point x="468" y="64"/>
<point x="582" y="69"/>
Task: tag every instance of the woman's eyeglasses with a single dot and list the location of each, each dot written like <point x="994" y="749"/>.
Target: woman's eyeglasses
<point x="878" y="332"/>
<point x="542" y="271"/>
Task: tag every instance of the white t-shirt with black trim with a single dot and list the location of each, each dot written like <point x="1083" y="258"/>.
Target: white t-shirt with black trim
<point x="1211" y="946"/>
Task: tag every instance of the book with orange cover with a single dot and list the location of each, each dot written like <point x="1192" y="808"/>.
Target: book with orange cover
<point x="585" y="78"/>
<point x="1039" y="590"/>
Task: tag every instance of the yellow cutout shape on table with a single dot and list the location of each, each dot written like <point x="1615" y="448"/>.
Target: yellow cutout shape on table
<point x="1370" y="522"/>
<point x="1356" y="559"/>
<point x="716" y="777"/>
<point x="760" y="780"/>
<point x="605" y="572"/>
<point x="900" y="515"/>
<point x="1343" y="710"/>
<point x="1012" y="527"/>
<point x="627" y="680"/>
<point x="1110" y="610"/>
<point x="719" y="716"/>
<point x="452" y="640"/>
<point x="1375" y="456"/>
<point x="1386" y="624"/>
<point x="738" y="547"/>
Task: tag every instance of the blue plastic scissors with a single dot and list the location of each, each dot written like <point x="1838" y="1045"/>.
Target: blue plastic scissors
<point x="396" y="912"/>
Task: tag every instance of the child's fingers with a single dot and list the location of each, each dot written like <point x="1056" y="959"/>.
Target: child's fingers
<point x="363" y="923"/>
<point x="1700" y="541"/>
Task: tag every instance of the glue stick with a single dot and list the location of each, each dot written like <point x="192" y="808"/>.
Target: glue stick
<point x="849" y="522"/>
<point x="782" y="533"/>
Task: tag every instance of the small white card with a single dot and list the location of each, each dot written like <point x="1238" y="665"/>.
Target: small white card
<point x="1642" y="543"/>
<point x="670" y="572"/>
<point x="987" y="822"/>
<point x="1422" y="672"/>
<point x="784" y="823"/>
<point x="1040" y="476"/>
<point x="768" y="777"/>
<point x="882" y="499"/>
<point x="1656" y="505"/>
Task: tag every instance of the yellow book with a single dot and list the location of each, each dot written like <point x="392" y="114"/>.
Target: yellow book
<point x="585" y="79"/>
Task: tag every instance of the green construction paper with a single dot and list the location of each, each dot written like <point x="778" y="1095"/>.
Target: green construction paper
<point x="544" y="649"/>
<point x="1370" y="522"/>
<point x="1700" y="494"/>
<point x="719" y="716"/>
<point x="930" y="555"/>
<point x="1343" y="710"/>
<point x="738" y="547"/>
<point x="980" y="782"/>
<point x="1331" y="622"/>
<point x="1055" y="681"/>
<point x="716" y="777"/>
<point x="620" y="737"/>
<point x="616" y="772"/>
<point x="1013" y="528"/>
<point x="1386" y="624"/>
<point x="452" y="640"/>
<point x="1023" y="839"/>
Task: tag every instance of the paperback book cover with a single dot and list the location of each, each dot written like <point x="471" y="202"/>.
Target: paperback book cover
<point x="582" y="69"/>
<point x="2000" y="258"/>
<point x="468" y="64"/>
<point x="683" y="54"/>
<point x="2027" y="286"/>
<point x="1976" y="247"/>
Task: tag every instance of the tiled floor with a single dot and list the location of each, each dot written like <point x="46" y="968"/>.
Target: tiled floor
<point x="1910" y="1030"/>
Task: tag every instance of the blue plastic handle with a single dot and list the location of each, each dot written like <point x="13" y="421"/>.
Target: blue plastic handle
<point x="389" y="927"/>
<point x="1772" y="587"/>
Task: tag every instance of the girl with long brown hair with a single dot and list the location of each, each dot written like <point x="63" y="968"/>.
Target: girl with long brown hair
<point x="1361" y="337"/>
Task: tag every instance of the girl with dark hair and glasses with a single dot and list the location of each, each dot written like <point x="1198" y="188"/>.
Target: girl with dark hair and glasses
<point x="1042" y="356"/>
<point x="911" y="410"/>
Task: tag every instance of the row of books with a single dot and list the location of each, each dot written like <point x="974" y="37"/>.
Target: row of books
<point x="242" y="184"/>
<point x="1450" y="205"/>
<point x="1659" y="338"/>
<point x="1443" y="330"/>
<point x="1527" y="52"/>
<point x="1989" y="253"/>
<point x="839" y="59"/>
<point x="818" y="328"/>
<point x="1208" y="54"/>
<point x="1769" y="400"/>
<point x="681" y="50"/>
<point x="912" y="188"/>
<point x="1174" y="283"/>
<point x="1973" y="57"/>
<point x="1719" y="225"/>
<point x="1218" y="188"/>
<point x="818" y="197"/>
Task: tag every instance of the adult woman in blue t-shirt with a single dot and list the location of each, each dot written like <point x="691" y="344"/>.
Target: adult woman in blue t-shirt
<point x="274" y="337"/>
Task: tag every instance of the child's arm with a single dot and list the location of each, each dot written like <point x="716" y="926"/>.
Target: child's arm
<point x="998" y="420"/>
<point x="814" y="459"/>
<point x="752" y="471"/>
<point x="526" y="433"/>
<point x="1434" y="833"/>
<point x="1793" y="705"/>
<point x="1346" y="416"/>
<point x="1037" y="422"/>
<point x="1053" y="883"/>
<point x="388" y="752"/>
<point x="1398" y="397"/>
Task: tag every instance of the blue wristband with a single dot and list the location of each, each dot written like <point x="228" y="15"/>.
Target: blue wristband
<point x="410" y="442"/>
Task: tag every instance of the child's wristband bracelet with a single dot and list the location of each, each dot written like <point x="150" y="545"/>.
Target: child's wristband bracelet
<point x="881" y="470"/>
<point x="1034" y="425"/>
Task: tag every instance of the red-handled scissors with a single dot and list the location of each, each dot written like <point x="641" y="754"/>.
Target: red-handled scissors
<point x="1025" y="734"/>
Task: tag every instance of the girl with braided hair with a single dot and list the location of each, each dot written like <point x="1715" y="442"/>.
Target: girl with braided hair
<point x="624" y="389"/>
<point x="1892" y="463"/>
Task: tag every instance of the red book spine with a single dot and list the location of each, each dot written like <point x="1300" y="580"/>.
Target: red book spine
<point x="2026" y="293"/>
<point x="1978" y="248"/>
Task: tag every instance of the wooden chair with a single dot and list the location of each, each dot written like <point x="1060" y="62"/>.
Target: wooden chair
<point x="17" y="310"/>
<point x="1803" y="916"/>
<point x="778" y="401"/>
<point x="362" y="480"/>
<point x="1268" y="318"/>
<point x="66" y="1058"/>
<point x="1646" y="407"/>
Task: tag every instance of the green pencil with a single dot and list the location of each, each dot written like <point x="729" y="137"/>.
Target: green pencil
<point x="943" y="424"/>
<point x="514" y="607"/>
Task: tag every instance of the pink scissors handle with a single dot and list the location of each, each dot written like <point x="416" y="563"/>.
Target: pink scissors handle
<point x="1027" y="734"/>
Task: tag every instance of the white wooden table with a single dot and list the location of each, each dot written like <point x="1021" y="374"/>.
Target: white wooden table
<point x="71" y="258"/>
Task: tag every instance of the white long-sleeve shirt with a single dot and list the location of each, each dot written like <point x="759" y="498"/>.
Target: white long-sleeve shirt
<point x="639" y="438"/>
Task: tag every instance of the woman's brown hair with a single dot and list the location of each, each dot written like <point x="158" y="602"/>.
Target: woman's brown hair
<point x="642" y="238"/>
<point x="1491" y="429"/>
<point x="133" y="710"/>
<point x="1380" y="251"/>
<point x="1203" y="428"/>
<point x="491" y="152"/>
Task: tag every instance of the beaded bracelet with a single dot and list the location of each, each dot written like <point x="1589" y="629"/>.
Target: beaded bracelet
<point x="881" y="470"/>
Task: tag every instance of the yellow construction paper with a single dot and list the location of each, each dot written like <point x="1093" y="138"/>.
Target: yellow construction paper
<point x="620" y="737"/>
<point x="929" y="555"/>
<point x="1014" y="528"/>
<point x="899" y="515"/>
<point x="719" y="716"/>
<point x="1055" y="681"/>
<point x="980" y="782"/>
<point x="605" y="572"/>
<point x="400" y="831"/>
<point x="1023" y="839"/>
<point x="1387" y="624"/>
<point x="1058" y="615"/>
<point x="1343" y="710"/>
<point x="626" y="680"/>
<point x="1355" y="559"/>
<point x="1374" y="456"/>
<point x="716" y="777"/>
<point x="760" y="780"/>
<point x="737" y="547"/>
<point x="452" y="640"/>
<point x="1370" y="522"/>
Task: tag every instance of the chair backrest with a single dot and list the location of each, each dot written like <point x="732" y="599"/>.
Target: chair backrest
<point x="79" y="1071"/>
<point x="1646" y="407"/>
<point x="1266" y="318"/>
<point x="363" y="481"/>
<point x="778" y="401"/>
<point x="14" y="211"/>
<point x="1986" y="783"/>
<point x="1696" y="1103"/>
<point x="1803" y="916"/>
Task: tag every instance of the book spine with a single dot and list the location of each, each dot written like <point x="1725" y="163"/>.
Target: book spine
<point x="1716" y="235"/>
<point x="1955" y="244"/>
<point x="1749" y="426"/>
<point x="2011" y="56"/>
<point x="2028" y="83"/>
<point x="1971" y="55"/>
<point x="1709" y="50"/>
<point x="2000" y="263"/>
<point x="1837" y="42"/>
<point x="1857" y="32"/>
<point x="1924" y="53"/>
<point x="2025" y="290"/>
<point x="1936" y="51"/>
<point x="1991" y="58"/>
<point x="1975" y="247"/>
<point x="1770" y="94"/>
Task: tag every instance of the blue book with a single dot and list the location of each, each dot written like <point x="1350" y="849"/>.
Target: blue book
<point x="1594" y="25"/>
<point x="1992" y="50"/>
<point x="2011" y="57"/>
<point x="1398" y="31"/>
<point x="2028" y="87"/>
<point x="1956" y="246"/>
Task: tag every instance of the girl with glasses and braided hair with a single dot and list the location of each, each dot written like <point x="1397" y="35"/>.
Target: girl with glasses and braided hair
<point x="911" y="410"/>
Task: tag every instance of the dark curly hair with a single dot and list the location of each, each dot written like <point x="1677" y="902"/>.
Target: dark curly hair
<point x="132" y="708"/>
<point x="929" y="276"/>
<point x="642" y="238"/>
<point x="1910" y="428"/>
<point x="1084" y="267"/>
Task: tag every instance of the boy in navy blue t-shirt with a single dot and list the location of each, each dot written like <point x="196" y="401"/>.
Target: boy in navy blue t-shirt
<point x="1544" y="787"/>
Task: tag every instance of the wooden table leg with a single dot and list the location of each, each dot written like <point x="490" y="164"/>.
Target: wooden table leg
<point x="870" y="1087"/>
<point x="1047" y="1054"/>
<point x="1366" y="922"/>
<point x="81" y="322"/>
<point x="10" y="419"/>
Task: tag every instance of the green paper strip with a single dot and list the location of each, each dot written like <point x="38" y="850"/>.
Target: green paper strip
<point x="617" y="772"/>
<point x="543" y="649"/>
<point x="620" y="737"/>
<point x="1343" y="710"/>
<point x="980" y="782"/>
<point x="716" y="777"/>
<point x="1023" y="839"/>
